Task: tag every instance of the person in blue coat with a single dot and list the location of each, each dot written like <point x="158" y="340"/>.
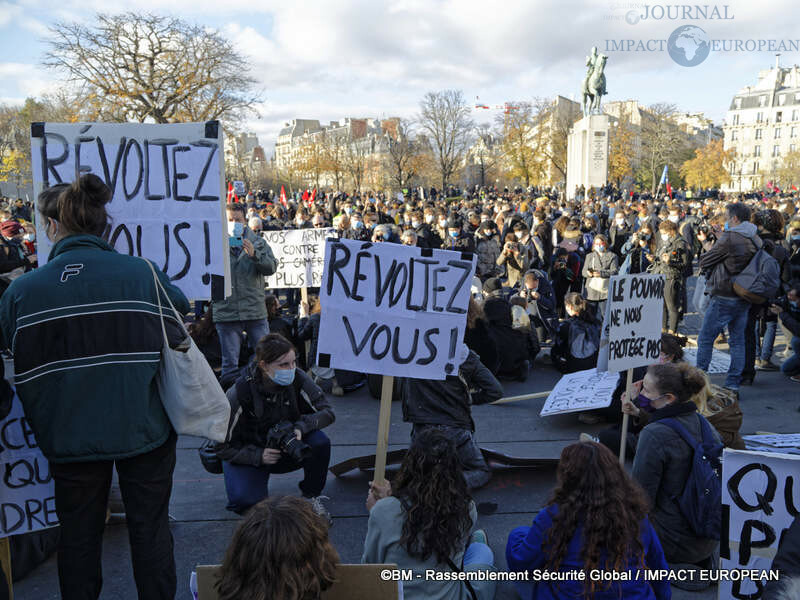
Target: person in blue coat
<point x="595" y="524"/>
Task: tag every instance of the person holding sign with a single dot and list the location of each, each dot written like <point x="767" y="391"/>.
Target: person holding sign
<point x="244" y="310"/>
<point x="664" y="460"/>
<point x="600" y="265"/>
<point x="87" y="339"/>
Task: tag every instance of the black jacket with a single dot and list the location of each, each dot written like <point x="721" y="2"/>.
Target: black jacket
<point x="787" y="560"/>
<point x="447" y="402"/>
<point x="480" y="340"/>
<point x="679" y="257"/>
<point x="514" y="345"/>
<point x="258" y="404"/>
<point x="426" y="237"/>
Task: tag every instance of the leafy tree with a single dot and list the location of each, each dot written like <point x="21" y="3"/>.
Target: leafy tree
<point x="708" y="167"/>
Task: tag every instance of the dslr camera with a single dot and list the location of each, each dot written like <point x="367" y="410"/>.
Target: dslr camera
<point x="281" y="437"/>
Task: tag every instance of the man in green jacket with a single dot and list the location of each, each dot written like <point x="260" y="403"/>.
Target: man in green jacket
<point x="245" y="309"/>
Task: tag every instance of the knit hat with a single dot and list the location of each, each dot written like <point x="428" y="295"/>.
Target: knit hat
<point x="492" y="285"/>
<point x="9" y="228"/>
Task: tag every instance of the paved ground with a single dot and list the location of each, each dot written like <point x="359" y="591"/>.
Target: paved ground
<point x="202" y="527"/>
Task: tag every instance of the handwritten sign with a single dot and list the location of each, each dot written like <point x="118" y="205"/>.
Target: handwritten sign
<point x="777" y="440"/>
<point x="579" y="391"/>
<point x="168" y="200"/>
<point x="393" y="310"/>
<point x="27" y="493"/>
<point x="300" y="254"/>
<point x="631" y="334"/>
<point x="238" y="187"/>
<point x="720" y="361"/>
<point x="760" y="499"/>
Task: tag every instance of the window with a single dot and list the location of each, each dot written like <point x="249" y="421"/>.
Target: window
<point x="777" y="133"/>
<point x="736" y="119"/>
<point x="757" y="151"/>
<point x="792" y="147"/>
<point x="733" y="169"/>
<point x="782" y="99"/>
<point x="758" y="134"/>
<point x="776" y="150"/>
<point x="778" y="116"/>
<point x="759" y="117"/>
<point x="733" y="135"/>
<point x="793" y="132"/>
<point x="794" y="115"/>
<point x="737" y="103"/>
<point x="762" y="100"/>
<point x="755" y="167"/>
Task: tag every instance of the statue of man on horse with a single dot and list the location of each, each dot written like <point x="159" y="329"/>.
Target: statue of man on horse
<point x="594" y="84"/>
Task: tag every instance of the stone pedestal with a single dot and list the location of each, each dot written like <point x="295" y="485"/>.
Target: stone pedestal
<point x="587" y="154"/>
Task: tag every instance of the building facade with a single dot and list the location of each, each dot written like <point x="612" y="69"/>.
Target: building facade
<point x="762" y="126"/>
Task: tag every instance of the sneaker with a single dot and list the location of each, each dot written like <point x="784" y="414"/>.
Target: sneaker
<point x="588" y="418"/>
<point x="585" y="437"/>
<point x="765" y="365"/>
<point x="479" y="537"/>
<point x="795" y="378"/>
<point x="337" y="390"/>
<point x="318" y="507"/>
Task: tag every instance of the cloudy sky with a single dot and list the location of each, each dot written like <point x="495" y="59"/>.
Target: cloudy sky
<point x="327" y="59"/>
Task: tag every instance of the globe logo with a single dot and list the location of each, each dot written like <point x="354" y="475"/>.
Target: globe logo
<point x="632" y="17"/>
<point x="688" y="45"/>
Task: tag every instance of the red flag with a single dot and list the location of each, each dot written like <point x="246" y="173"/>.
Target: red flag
<point x="776" y="189"/>
<point x="311" y="198"/>
<point x="794" y="187"/>
<point x="305" y="195"/>
<point x="230" y="192"/>
<point x="669" y="189"/>
<point x="283" y="197"/>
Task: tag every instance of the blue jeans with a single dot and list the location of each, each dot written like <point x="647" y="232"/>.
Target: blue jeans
<point x="791" y="366"/>
<point x="247" y="485"/>
<point x="724" y="311"/>
<point x="478" y="554"/>
<point x="771" y="328"/>
<point x="230" y="339"/>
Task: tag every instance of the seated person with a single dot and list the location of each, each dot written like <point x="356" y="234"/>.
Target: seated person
<point x="664" y="460"/>
<point x="596" y="519"/>
<point x="478" y="339"/>
<point x="536" y="289"/>
<point x="280" y="550"/>
<point x="577" y="341"/>
<point x="425" y="520"/>
<point x="268" y="417"/>
<point x="518" y="349"/>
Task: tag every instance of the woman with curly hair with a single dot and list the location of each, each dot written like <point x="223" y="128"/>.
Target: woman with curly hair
<point x="596" y="520"/>
<point x="280" y="551"/>
<point x="424" y="521"/>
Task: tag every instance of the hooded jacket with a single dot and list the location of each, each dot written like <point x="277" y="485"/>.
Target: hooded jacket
<point x="728" y="257"/>
<point x="86" y="335"/>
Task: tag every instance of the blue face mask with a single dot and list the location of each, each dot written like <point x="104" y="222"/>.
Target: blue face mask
<point x="283" y="377"/>
<point x="794" y="305"/>
<point x="727" y="227"/>
<point x="644" y="403"/>
<point x="386" y="235"/>
<point x="235" y="229"/>
<point x="357" y="224"/>
<point x="454" y="234"/>
<point x="796" y="238"/>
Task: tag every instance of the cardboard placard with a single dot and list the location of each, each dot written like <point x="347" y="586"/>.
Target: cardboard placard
<point x="238" y="187"/>
<point x="579" y="391"/>
<point x="631" y="334"/>
<point x="300" y="255"/>
<point x="168" y="201"/>
<point x="760" y="499"/>
<point x="27" y="492"/>
<point x="394" y="310"/>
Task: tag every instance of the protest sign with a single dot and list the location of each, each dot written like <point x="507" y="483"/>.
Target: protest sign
<point x="631" y="334"/>
<point x="168" y="200"/>
<point x="238" y="187"/>
<point x="777" y="440"/>
<point x="720" y="361"/>
<point x="300" y="256"/>
<point x="582" y="390"/>
<point x="760" y="499"/>
<point x="393" y="310"/>
<point x="27" y="494"/>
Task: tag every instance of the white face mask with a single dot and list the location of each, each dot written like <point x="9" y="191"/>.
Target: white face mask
<point x="665" y="237"/>
<point x="29" y="237"/>
<point x="442" y="222"/>
<point x="519" y="234"/>
<point x="674" y="218"/>
<point x="429" y="219"/>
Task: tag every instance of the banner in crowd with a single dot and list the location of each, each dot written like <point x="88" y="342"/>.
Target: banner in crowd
<point x="238" y="187"/>
<point x="760" y="499"/>
<point x="168" y="188"/>
<point x="579" y="391"/>
<point x="776" y="440"/>
<point x="394" y="310"/>
<point x="27" y="493"/>
<point x="631" y="334"/>
<point x="720" y="361"/>
<point x="300" y="254"/>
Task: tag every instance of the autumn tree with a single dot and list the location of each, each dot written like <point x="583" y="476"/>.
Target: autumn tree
<point x="15" y="168"/>
<point x="445" y="120"/>
<point x="520" y="144"/>
<point x="708" y="167"/>
<point x="621" y="149"/>
<point x="788" y="170"/>
<point x="311" y="161"/>
<point x="401" y="160"/>
<point x="135" y="67"/>
<point x="333" y="150"/>
<point x="355" y="162"/>
<point x="662" y="142"/>
<point x="553" y="121"/>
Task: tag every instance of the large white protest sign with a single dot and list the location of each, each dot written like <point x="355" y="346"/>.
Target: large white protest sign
<point x="300" y="254"/>
<point x="777" y="440"/>
<point x="720" y="361"/>
<point x="168" y="200"/>
<point x="760" y="499"/>
<point x="631" y="335"/>
<point x="393" y="310"/>
<point x="27" y="494"/>
<point x="583" y="390"/>
<point x="238" y="187"/>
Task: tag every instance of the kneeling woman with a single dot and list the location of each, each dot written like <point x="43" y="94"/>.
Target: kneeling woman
<point x="275" y="405"/>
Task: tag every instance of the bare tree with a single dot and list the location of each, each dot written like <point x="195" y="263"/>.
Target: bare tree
<point x="355" y="161"/>
<point x="521" y="142"/>
<point x="553" y="121"/>
<point x="334" y="148"/>
<point x="485" y="154"/>
<point x="663" y="143"/>
<point x="402" y="157"/>
<point x="138" y="67"/>
<point x="445" y="119"/>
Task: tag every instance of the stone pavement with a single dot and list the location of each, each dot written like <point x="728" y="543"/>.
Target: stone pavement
<point x="202" y="527"/>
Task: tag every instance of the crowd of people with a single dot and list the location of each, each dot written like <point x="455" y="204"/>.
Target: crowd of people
<point x="541" y="287"/>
